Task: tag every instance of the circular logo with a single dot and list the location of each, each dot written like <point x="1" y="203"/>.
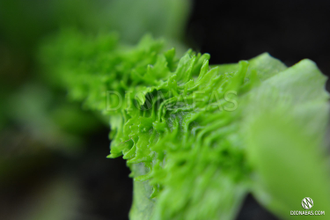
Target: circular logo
<point x="307" y="203"/>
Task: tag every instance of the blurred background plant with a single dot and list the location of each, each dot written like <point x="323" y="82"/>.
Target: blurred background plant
<point x="52" y="154"/>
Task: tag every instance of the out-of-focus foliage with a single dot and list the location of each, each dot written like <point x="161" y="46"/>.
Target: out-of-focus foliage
<point x="162" y="18"/>
<point x="24" y="23"/>
<point x="36" y="120"/>
<point x="201" y="137"/>
<point x="285" y="127"/>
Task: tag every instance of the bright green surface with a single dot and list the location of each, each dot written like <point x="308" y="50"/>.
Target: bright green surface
<point x="201" y="137"/>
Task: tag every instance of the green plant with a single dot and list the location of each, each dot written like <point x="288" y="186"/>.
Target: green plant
<point x="199" y="138"/>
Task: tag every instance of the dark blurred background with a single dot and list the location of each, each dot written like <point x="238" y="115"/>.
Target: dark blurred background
<point x="52" y="153"/>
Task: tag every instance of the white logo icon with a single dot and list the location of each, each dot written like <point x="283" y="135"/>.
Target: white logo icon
<point x="307" y="203"/>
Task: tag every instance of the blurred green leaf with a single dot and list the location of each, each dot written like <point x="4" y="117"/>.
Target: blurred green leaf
<point x="285" y="128"/>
